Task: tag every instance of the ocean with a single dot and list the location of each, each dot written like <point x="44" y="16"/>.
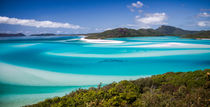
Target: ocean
<point x="35" y="68"/>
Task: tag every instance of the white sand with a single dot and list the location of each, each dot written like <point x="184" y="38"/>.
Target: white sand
<point x="100" y="41"/>
<point x="12" y="74"/>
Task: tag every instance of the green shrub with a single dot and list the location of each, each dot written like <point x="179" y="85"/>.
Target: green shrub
<point x="184" y="89"/>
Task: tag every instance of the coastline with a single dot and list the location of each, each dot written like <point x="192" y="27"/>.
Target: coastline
<point x="169" y="89"/>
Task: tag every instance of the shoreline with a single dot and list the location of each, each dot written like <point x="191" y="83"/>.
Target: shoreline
<point x="99" y="40"/>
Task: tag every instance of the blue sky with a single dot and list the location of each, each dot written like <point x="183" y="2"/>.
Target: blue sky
<point x="85" y="16"/>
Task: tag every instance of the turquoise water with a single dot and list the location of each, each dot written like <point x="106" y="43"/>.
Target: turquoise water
<point x="35" y="68"/>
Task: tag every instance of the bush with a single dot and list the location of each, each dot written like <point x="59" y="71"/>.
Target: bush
<point x="184" y="89"/>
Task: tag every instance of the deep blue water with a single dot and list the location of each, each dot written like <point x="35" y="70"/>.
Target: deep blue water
<point x="35" y="68"/>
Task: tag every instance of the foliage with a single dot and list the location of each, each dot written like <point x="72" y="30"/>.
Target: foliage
<point x="184" y="89"/>
<point x="170" y="30"/>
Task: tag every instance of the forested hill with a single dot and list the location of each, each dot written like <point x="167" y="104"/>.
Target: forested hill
<point x="170" y="30"/>
<point x="161" y="31"/>
<point x="181" y="89"/>
<point x="11" y="35"/>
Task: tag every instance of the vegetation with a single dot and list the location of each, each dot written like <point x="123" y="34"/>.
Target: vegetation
<point x="170" y="30"/>
<point x="181" y="89"/>
<point x="125" y="32"/>
<point x="199" y="35"/>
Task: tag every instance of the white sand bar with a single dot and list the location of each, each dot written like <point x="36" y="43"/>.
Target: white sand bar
<point x="100" y="40"/>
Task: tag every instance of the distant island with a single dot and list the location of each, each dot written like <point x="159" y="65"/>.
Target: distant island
<point x="43" y="34"/>
<point x="181" y="89"/>
<point x="161" y="31"/>
<point x="52" y="34"/>
<point x="126" y="32"/>
<point x="11" y="35"/>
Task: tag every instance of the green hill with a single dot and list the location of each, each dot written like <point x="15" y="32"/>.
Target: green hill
<point x="125" y="32"/>
<point x="181" y="89"/>
<point x="170" y="30"/>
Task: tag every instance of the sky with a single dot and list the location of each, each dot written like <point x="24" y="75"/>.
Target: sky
<point x="89" y="16"/>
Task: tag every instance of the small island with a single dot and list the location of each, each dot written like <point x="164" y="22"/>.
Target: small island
<point x="180" y="89"/>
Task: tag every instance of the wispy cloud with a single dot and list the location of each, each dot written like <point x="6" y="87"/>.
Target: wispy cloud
<point x="203" y="23"/>
<point x="134" y="6"/>
<point x="35" y="23"/>
<point x="138" y="4"/>
<point x="204" y="14"/>
<point x="152" y="19"/>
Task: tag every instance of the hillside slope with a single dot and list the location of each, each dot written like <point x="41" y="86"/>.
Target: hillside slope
<point x="170" y="30"/>
<point x="181" y="89"/>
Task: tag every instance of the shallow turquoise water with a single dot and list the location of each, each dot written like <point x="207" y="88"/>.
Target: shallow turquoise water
<point x="37" y="68"/>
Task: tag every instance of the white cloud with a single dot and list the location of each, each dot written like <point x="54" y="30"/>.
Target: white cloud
<point x="152" y="19"/>
<point x="203" y="23"/>
<point x="204" y="14"/>
<point x="38" y="24"/>
<point x="138" y="4"/>
<point x="133" y="6"/>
